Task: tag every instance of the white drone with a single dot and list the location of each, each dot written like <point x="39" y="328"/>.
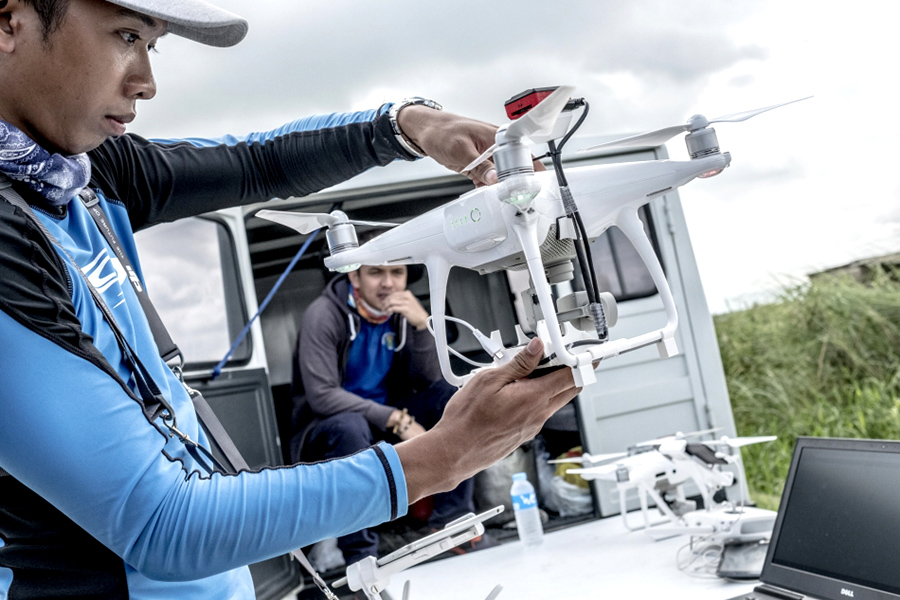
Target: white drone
<point x="539" y="221"/>
<point x="371" y="576"/>
<point x="658" y="470"/>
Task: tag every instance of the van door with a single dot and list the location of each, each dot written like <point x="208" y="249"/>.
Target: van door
<point x="202" y="288"/>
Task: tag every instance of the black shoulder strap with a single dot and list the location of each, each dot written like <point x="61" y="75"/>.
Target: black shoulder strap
<point x="167" y="348"/>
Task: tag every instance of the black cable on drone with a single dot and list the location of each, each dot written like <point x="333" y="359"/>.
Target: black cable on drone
<point x="585" y="259"/>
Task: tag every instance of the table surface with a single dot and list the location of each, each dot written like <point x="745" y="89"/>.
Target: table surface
<point x="597" y="559"/>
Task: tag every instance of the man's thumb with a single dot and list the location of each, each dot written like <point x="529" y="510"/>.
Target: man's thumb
<point x="484" y="174"/>
<point x="525" y="361"/>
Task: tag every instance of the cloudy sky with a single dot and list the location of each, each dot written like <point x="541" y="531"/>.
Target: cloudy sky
<point x="811" y="185"/>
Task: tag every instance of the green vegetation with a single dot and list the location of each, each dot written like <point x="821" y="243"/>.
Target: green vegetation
<point x="823" y="360"/>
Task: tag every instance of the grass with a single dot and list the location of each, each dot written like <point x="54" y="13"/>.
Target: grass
<point x="822" y="360"/>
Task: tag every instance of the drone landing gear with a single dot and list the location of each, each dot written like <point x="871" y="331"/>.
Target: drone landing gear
<point x="644" y="493"/>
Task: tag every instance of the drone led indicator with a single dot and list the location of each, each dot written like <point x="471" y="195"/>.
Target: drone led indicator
<point x="348" y="268"/>
<point x="475" y="215"/>
<point x="710" y="173"/>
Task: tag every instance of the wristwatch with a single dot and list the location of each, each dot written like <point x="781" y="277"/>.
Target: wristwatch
<point x="404" y="141"/>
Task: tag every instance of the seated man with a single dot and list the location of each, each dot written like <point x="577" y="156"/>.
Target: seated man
<point x="366" y="369"/>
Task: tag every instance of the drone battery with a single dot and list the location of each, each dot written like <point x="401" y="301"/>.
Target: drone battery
<point x="520" y="104"/>
<point x="473" y="224"/>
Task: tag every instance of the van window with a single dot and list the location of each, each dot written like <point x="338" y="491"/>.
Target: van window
<point x="191" y="274"/>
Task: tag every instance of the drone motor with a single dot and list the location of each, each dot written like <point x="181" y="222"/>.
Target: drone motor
<point x="515" y="172"/>
<point x="341" y="236"/>
<point x="702" y="142"/>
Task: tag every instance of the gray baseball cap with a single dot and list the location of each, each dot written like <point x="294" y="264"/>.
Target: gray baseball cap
<point x="195" y="20"/>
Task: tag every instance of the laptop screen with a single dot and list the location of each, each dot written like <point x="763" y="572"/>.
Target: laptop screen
<point x="838" y="529"/>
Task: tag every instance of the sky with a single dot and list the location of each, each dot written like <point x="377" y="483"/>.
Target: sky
<point x="811" y="185"/>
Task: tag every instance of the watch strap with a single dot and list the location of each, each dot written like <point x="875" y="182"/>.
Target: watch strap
<point x="393" y="114"/>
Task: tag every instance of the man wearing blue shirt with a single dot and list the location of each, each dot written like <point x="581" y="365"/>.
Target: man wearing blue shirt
<point x="366" y="369"/>
<point x="100" y="498"/>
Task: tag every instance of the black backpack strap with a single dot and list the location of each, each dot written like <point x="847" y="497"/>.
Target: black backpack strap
<point x="167" y="348"/>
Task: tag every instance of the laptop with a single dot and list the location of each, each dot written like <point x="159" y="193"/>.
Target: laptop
<point x="837" y="534"/>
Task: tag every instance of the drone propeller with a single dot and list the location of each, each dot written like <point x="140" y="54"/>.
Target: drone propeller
<point x="695" y="123"/>
<point x="309" y="222"/>
<point x="588" y="459"/>
<point x="637" y="467"/>
<point x="678" y="436"/>
<point x="536" y="125"/>
<point x="739" y="442"/>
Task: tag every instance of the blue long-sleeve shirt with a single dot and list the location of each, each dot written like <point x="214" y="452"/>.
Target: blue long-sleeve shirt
<point x="99" y="501"/>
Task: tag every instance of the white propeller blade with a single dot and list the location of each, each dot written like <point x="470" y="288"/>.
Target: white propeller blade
<point x="588" y="459"/>
<point x="309" y="222"/>
<point x="743" y="116"/>
<point x="648" y="139"/>
<point x="640" y="466"/>
<point x="661" y="136"/>
<point x="494" y="592"/>
<point x="678" y="436"/>
<point x="535" y="125"/>
<point x="606" y="472"/>
<point x="741" y="441"/>
<point x="302" y="222"/>
<point x="484" y="156"/>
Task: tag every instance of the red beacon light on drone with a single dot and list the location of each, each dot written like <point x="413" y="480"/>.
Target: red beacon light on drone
<point x="521" y="103"/>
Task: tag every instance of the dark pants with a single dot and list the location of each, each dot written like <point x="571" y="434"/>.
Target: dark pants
<point x="346" y="433"/>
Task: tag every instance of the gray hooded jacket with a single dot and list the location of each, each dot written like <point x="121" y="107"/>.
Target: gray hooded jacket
<point x="320" y="360"/>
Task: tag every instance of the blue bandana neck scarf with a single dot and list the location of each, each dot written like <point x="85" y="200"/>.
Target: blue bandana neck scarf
<point x="56" y="177"/>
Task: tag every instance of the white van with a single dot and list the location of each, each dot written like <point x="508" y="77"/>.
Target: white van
<point x="208" y="276"/>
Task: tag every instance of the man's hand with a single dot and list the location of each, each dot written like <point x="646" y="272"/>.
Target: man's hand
<point x="452" y="140"/>
<point x="498" y="410"/>
<point x="405" y="303"/>
<point x="403" y="425"/>
<point x="410" y="432"/>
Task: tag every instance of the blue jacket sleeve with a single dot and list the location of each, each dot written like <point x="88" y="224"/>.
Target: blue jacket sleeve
<point x="56" y="437"/>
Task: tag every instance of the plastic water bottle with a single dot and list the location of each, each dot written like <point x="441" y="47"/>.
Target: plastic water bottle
<point x="528" y="517"/>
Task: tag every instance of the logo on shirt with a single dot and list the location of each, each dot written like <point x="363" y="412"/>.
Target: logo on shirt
<point x="389" y="340"/>
<point x="104" y="271"/>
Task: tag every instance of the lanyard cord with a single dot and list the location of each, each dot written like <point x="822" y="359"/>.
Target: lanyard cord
<point x="167" y="348"/>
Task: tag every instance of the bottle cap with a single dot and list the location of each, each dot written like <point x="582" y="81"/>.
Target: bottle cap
<point x="520" y="476"/>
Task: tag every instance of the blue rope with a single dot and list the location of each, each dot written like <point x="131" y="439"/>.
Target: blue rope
<point x="262" y="306"/>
